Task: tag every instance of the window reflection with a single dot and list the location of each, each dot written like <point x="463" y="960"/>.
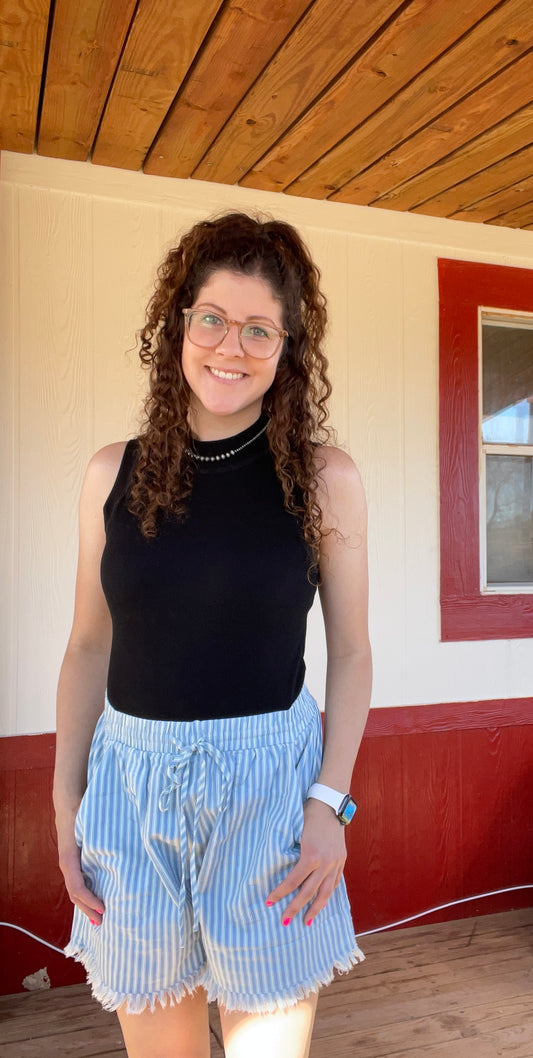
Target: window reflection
<point x="507" y="370"/>
<point x="509" y="487"/>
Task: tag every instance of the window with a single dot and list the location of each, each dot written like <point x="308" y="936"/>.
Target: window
<point x="486" y="451"/>
<point x="506" y="507"/>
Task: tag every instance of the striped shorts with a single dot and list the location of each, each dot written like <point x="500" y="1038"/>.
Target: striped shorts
<point x="184" y="829"/>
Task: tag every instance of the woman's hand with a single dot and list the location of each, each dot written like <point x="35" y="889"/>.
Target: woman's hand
<point x="319" y="869"/>
<point x="81" y="896"/>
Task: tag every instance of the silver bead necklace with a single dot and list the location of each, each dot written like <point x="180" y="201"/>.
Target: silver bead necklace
<point x="225" y="455"/>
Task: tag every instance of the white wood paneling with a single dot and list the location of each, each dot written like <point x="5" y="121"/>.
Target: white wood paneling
<point x="80" y="245"/>
<point x="375" y="387"/>
<point x="126" y="237"/>
<point x="56" y="429"/>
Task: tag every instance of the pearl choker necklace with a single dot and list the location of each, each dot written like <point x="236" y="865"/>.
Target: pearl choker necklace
<point x="225" y="455"/>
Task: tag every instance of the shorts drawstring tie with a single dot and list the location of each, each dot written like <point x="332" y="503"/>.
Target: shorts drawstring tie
<point x="178" y="772"/>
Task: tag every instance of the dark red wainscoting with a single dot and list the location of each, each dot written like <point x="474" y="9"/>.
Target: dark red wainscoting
<point x="445" y="796"/>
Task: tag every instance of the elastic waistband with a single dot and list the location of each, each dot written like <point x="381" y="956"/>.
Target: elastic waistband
<point x="235" y="732"/>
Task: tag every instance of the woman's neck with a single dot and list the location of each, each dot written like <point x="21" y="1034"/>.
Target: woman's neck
<point x="208" y="427"/>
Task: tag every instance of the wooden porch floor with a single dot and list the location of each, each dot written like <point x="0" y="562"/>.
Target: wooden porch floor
<point x="454" y="990"/>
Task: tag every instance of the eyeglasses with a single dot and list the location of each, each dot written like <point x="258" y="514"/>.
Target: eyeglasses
<point x="208" y="329"/>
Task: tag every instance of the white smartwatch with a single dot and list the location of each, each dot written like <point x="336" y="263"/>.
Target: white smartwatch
<point x="342" y="804"/>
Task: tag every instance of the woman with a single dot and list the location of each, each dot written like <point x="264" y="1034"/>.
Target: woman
<point x="211" y="827"/>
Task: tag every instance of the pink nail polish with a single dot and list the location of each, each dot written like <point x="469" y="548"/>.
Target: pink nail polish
<point x="100" y="910"/>
<point x="309" y="922"/>
<point x="286" y="921"/>
<point x="92" y="921"/>
<point x="269" y="903"/>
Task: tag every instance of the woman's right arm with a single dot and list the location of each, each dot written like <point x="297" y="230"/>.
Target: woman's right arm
<point x="82" y="681"/>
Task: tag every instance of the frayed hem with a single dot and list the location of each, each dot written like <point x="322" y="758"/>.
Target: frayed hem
<point x="257" y="1004"/>
<point x="134" y="1004"/>
<point x="251" y="1004"/>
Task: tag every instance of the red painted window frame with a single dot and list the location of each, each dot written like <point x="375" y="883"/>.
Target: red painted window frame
<point x="465" y="612"/>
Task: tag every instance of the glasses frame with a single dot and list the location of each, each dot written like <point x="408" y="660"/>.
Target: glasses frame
<point x="239" y="325"/>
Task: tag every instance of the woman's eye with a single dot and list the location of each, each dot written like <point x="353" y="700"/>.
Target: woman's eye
<point x="209" y="319"/>
<point x="254" y="330"/>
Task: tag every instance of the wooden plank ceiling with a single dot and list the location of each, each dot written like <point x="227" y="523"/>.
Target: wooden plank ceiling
<point x="422" y="105"/>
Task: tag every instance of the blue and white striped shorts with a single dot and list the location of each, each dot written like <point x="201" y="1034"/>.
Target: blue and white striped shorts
<point x="184" y="829"/>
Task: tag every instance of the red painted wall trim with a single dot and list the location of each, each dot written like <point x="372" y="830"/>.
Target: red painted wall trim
<point x="455" y="716"/>
<point x="466" y="614"/>
<point x="24" y="752"/>
<point x="27" y="751"/>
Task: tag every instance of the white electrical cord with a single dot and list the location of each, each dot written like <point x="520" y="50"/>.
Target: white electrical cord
<point x="380" y="929"/>
<point x="441" y="907"/>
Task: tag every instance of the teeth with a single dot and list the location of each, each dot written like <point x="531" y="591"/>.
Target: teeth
<point x="226" y="374"/>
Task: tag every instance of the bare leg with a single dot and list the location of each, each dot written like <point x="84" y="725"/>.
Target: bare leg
<point x="285" y="1034"/>
<point x="180" y="1031"/>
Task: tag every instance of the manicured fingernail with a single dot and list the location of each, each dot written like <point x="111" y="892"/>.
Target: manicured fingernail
<point x="286" y="921"/>
<point x="92" y="921"/>
<point x="100" y="910"/>
<point x="309" y="922"/>
<point x="269" y="903"/>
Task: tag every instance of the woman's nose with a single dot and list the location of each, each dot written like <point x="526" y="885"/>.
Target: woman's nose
<point x="230" y="344"/>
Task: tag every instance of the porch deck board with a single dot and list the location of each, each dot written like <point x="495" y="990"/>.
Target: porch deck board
<point x="459" y="989"/>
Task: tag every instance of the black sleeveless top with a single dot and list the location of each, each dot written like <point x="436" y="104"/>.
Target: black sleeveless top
<point x="209" y="617"/>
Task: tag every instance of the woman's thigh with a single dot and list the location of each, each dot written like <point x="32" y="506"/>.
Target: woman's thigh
<point x="285" y="1033"/>
<point x="179" y="1031"/>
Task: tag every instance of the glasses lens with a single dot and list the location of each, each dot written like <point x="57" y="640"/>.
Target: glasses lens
<point x="206" y="329"/>
<point x="259" y="340"/>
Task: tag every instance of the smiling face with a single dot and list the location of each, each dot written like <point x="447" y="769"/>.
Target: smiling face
<point x="227" y="385"/>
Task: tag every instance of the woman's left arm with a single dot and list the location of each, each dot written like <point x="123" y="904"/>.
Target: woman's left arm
<point x="344" y="598"/>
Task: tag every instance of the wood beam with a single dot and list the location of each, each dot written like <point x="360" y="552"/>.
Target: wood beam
<point x="222" y="75"/>
<point x="489" y="47"/>
<point x="495" y="101"/>
<point x="329" y="36"/>
<point x="382" y="69"/>
<point x="87" y="38"/>
<point x="150" y="73"/>
<point x="23" y="29"/>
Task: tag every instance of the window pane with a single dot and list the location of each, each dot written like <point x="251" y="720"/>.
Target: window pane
<point x="509" y="519"/>
<point x="507" y="358"/>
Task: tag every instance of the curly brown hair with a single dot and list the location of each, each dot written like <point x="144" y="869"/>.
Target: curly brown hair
<point x="296" y="402"/>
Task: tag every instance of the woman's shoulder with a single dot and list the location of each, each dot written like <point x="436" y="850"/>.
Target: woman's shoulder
<point x="103" y="469"/>
<point x="107" y="460"/>
<point x="335" y="466"/>
<point x="340" y="488"/>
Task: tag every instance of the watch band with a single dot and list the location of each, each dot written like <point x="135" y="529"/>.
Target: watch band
<point x="326" y="794"/>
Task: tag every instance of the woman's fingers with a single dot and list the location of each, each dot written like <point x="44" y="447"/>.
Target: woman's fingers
<point x="313" y="895"/>
<point x="293" y="880"/>
<point x="319" y="868"/>
<point x="79" y="893"/>
<point x="313" y="882"/>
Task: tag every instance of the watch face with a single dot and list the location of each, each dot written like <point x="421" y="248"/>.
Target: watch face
<point x="347" y="810"/>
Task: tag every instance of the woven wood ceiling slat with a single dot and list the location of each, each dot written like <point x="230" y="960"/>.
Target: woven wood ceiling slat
<point x="385" y="67"/>
<point x="242" y="43"/>
<point x="23" y="29"/>
<point x="323" y="42"/>
<point x="87" y="38"/>
<point x="150" y="73"/>
<point x="490" y="147"/>
<point x="490" y="104"/>
<point x="495" y="42"/>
